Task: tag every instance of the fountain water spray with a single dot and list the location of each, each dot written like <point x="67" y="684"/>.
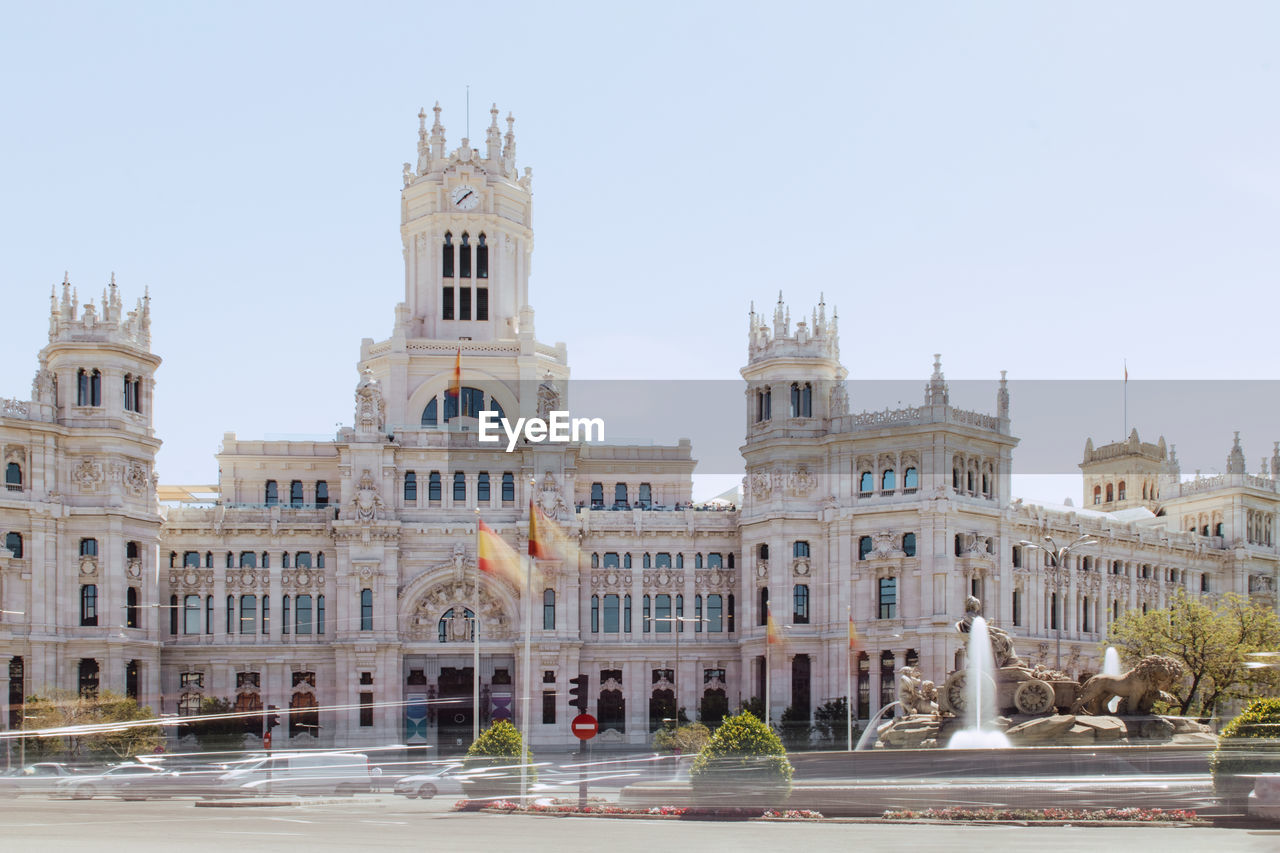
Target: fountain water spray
<point x="980" y="698"/>
<point x="1111" y="666"/>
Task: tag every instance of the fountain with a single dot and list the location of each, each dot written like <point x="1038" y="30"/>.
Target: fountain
<point x="1111" y="666"/>
<point x="980" y="690"/>
<point x="869" y="736"/>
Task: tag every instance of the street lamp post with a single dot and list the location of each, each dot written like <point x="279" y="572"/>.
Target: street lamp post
<point x="1058" y="558"/>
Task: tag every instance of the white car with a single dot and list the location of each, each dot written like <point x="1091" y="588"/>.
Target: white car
<point x="341" y="773"/>
<point x="445" y="779"/>
<point x="109" y="782"/>
<point x="40" y="778"/>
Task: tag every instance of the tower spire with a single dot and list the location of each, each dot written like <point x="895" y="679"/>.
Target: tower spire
<point x="437" y="135"/>
<point x="493" y="136"/>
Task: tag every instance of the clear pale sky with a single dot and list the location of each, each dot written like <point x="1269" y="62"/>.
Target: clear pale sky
<point x="1044" y="188"/>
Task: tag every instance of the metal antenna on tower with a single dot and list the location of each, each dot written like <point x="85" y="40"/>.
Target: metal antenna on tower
<point x="468" y="112"/>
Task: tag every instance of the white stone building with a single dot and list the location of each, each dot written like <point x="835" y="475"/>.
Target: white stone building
<point x="337" y="579"/>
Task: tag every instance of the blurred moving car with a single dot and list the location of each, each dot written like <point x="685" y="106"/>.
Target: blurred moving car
<point x="341" y="773"/>
<point x="440" y="780"/>
<point x="191" y="781"/>
<point x="109" y="782"/>
<point x="37" y="778"/>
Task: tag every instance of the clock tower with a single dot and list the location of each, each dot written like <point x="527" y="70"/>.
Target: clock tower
<point x="466" y="226"/>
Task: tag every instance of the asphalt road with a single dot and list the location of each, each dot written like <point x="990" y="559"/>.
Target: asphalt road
<point x="384" y="822"/>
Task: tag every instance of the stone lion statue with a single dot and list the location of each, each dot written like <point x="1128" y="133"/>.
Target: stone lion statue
<point x="1139" y="688"/>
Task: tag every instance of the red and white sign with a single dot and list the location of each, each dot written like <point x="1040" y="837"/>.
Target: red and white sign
<point x="584" y="727"/>
<point x="266" y="741"/>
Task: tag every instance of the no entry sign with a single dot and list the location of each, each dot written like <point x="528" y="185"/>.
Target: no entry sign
<point x="584" y="727"/>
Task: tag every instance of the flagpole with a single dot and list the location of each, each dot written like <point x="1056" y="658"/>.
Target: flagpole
<point x="848" y="688"/>
<point x="1126" y="398"/>
<point x="475" y="661"/>
<point x="524" y="678"/>
<point x="768" y="676"/>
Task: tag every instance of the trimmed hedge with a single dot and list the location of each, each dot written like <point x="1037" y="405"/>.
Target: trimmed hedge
<point x="743" y="753"/>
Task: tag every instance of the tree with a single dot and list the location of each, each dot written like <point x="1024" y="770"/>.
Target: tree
<point x="832" y="721"/>
<point x="685" y="740"/>
<point x="795" y="729"/>
<point x="1210" y="637"/>
<point x="222" y="733"/>
<point x="116" y="725"/>
<point x="744" y="755"/>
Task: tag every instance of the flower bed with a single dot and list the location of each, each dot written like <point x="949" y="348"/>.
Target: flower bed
<point x="683" y="812"/>
<point x="1131" y="815"/>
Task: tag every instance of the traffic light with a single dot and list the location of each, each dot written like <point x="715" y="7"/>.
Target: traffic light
<point x="273" y="719"/>
<point x="578" y="693"/>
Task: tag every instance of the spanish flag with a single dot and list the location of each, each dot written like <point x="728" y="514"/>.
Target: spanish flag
<point x="495" y="557"/>
<point x="853" y="634"/>
<point x="773" y="635"/>
<point x="547" y="541"/>
<point x="455" y="387"/>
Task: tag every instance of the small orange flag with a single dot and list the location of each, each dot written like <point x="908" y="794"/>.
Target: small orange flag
<point x="455" y="387"/>
<point x="853" y="634"/>
<point x="773" y="634"/>
<point x="547" y="541"/>
<point x="495" y="557"/>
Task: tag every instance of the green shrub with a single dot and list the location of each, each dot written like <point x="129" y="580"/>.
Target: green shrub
<point x="1249" y="745"/>
<point x="498" y="746"/>
<point x="685" y="740"/>
<point x="743" y="752"/>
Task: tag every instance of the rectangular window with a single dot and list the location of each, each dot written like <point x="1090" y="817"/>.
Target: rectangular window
<point x="434" y="487"/>
<point x="366" y="710"/>
<point x="295" y="493"/>
<point x="800" y="610"/>
<point x="1017" y="607"/>
<point x="715" y="613"/>
<point x="482" y="303"/>
<point x="1053" y="610"/>
<point x="89" y="605"/>
<point x="446" y="309"/>
<point x="548" y="707"/>
<point x="646" y="496"/>
<point x="464" y="303"/>
<point x="482" y="487"/>
<point x="366" y="610"/>
<point x="191" y="614"/>
<point x="89" y="548"/>
<point x="410" y="487"/>
<point x="595" y="614"/>
<point x="611" y="614"/>
<point x="271" y="495"/>
<point x="548" y="610"/>
<point x="715" y="561"/>
<point x="508" y="487"/>
<point x="888" y="598"/>
<point x="597" y="496"/>
<point x="248" y="613"/>
<point x="459" y="487"/>
<point x="800" y="549"/>
<point x="662" y="613"/>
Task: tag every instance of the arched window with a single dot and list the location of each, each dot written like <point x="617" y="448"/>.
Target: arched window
<point x="302" y="615"/>
<point x="730" y="560"/>
<point x="284" y="560"/>
<point x="295" y="493"/>
<point x="230" y="560"/>
<point x="795" y="400"/>
<point x="888" y="482"/>
<point x="715" y="561"/>
<point x="266" y="560"/>
<point x="1217" y="529"/>
<point x="208" y="559"/>
<point x="446" y="270"/>
<point x="89" y="548"/>
<point x="248" y="614"/>
<point x="679" y="561"/>
<point x="320" y="559"/>
<point x="13" y="477"/>
<point x="595" y="561"/>
<point x="597" y="495"/>
<point x="1144" y="490"/>
<point x="969" y="481"/>
<point x="864" y="547"/>
<point x="1110" y="493"/>
<point x="626" y="560"/>
<point x="697" y="560"/>
<point x="366" y="610"/>
<point x="82" y="387"/>
<point x="464" y="259"/>
<point x="410" y="487"/>
<point x="95" y="388"/>
<point x="620" y="495"/>
<point x="191" y="614"/>
<point x="434" y="487"/>
<point x="762" y="618"/>
<point x="910" y="479"/>
<point x="459" y="487"/>
<point x="508" y="487"/>
<point x="1097" y="495"/>
<point x="271" y="495"/>
<point x="806" y="401"/>
<point x="611" y="560"/>
<point x="662" y="560"/>
<point x="800" y="604"/>
<point x="986" y="484"/>
<point x="866" y="483"/>
<point x="131" y="607"/>
<point x="482" y="260"/>
<point x="302" y="560"/>
<point x="482" y="487"/>
<point x="549" y="610"/>
<point x="13" y="541"/>
<point x="430" y="417"/>
<point x="1119" y="495"/>
<point x="763" y="551"/>
<point x="909" y="544"/>
<point x="89" y="604"/>
<point x="764" y="405"/>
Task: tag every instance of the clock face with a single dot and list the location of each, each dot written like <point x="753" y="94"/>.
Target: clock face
<point x="465" y="197"/>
